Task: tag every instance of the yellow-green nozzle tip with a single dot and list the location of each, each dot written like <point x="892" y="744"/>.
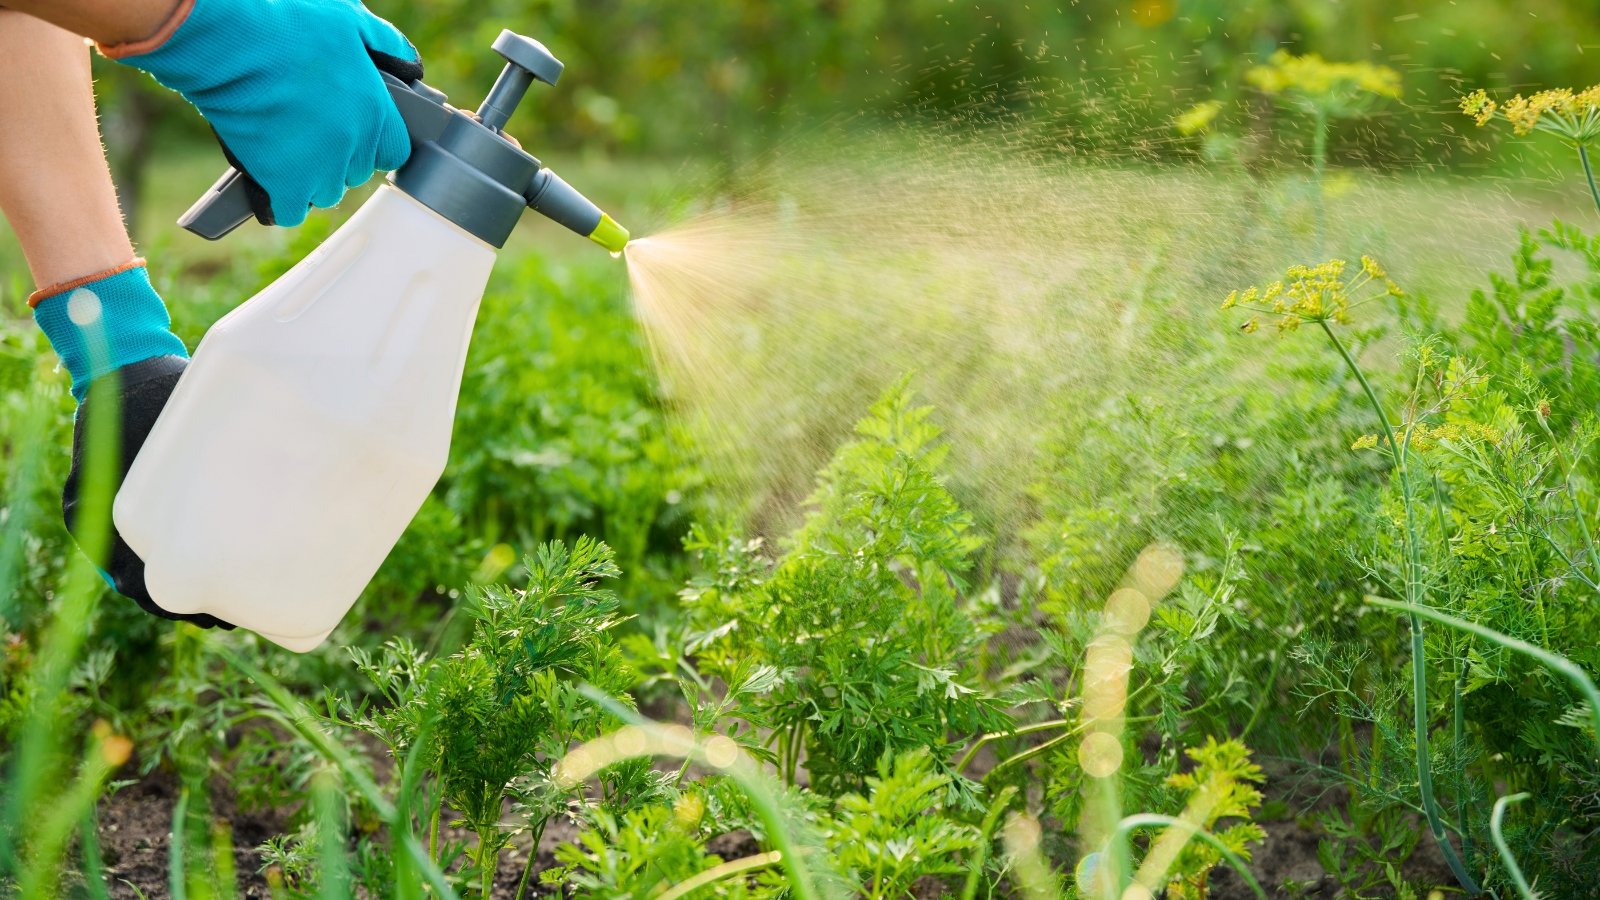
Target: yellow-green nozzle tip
<point x="609" y="234"/>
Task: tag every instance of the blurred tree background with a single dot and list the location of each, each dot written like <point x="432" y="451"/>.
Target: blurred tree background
<point x="730" y="80"/>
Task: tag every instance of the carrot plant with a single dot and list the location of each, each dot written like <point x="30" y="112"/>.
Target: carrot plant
<point x="499" y="713"/>
<point x="863" y="620"/>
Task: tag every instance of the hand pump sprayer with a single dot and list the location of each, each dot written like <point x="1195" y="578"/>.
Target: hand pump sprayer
<point x="315" y="418"/>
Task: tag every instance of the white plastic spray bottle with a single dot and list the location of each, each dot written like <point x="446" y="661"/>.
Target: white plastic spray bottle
<point x="315" y="418"/>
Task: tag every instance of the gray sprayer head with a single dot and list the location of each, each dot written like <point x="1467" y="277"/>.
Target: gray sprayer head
<point x="462" y="165"/>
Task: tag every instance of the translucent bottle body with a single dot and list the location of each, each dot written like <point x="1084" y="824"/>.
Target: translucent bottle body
<point x="309" y="428"/>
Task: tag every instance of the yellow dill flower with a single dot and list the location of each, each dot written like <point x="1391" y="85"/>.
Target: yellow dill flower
<point x="1321" y="293"/>
<point x="1250" y="326"/>
<point x="1426" y="437"/>
<point x="1574" y="115"/>
<point x="1478" y="105"/>
<point x="1343" y="90"/>
<point x="1274" y="297"/>
<point x="1365" y="442"/>
<point x="1198" y="117"/>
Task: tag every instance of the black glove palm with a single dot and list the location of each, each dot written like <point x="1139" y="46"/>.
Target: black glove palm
<point x="141" y="389"/>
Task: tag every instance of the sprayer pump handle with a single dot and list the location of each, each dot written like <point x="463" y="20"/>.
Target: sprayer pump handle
<point x="226" y="204"/>
<point x="527" y="61"/>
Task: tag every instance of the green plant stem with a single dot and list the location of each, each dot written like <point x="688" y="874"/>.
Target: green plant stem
<point x="1413" y="584"/>
<point x="176" y="885"/>
<point x="796" y="742"/>
<point x="783" y="754"/>
<point x="1588" y="174"/>
<point x="992" y="736"/>
<point x="718" y="873"/>
<point x="94" y="875"/>
<point x="488" y="861"/>
<point x="1458" y="732"/>
<point x="991" y="819"/>
<point x="333" y="830"/>
<point x="1120" y="861"/>
<point x="1266" y="694"/>
<point x="1506" y="857"/>
<point x="533" y="856"/>
<point x="1555" y="661"/>
<point x="433" y="824"/>
<point x="1031" y="752"/>
<point x="408" y="886"/>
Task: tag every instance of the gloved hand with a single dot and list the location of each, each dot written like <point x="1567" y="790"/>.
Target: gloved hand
<point x="113" y="335"/>
<point x="291" y="88"/>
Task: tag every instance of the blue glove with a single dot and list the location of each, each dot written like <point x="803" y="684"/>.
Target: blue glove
<point x="291" y="88"/>
<point x="105" y="321"/>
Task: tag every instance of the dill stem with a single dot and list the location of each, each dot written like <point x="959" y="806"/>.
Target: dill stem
<point x="1518" y="880"/>
<point x="1118" y="845"/>
<point x="1588" y="174"/>
<point x="1414" y="591"/>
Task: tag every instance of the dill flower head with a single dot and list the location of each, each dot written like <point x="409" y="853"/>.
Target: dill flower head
<point x="1320" y="293"/>
<point x="1422" y="436"/>
<point x="1197" y="118"/>
<point x="1573" y="115"/>
<point x="1427" y="437"/>
<point x="1478" y="105"/>
<point x="1344" y="90"/>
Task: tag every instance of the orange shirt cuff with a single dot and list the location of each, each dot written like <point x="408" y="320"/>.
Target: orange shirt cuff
<point x="154" y="41"/>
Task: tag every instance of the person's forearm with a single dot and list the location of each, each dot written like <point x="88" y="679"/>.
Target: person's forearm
<point x="55" y="188"/>
<point x="107" y="21"/>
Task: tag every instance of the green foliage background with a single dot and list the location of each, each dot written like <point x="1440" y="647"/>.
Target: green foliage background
<point x="859" y="652"/>
<point x="730" y="78"/>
